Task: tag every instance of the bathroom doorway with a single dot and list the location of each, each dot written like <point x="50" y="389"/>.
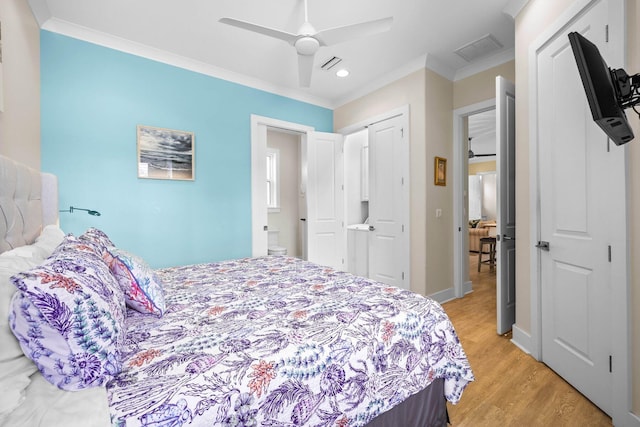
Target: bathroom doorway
<point x="285" y="199"/>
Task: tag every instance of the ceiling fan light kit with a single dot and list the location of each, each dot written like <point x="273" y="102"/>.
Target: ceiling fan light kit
<point x="307" y="41"/>
<point x="307" y="45"/>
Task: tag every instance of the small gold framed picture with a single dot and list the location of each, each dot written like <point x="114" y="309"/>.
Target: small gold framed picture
<point x="440" y="167"/>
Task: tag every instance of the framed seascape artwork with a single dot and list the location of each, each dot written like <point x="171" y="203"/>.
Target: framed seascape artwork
<point x="165" y="153"/>
<point x="440" y="167"/>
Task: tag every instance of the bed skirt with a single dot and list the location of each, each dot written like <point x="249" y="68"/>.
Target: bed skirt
<point x="427" y="408"/>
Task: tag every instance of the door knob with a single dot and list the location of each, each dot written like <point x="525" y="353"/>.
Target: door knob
<point x="543" y="245"/>
<point x="371" y="228"/>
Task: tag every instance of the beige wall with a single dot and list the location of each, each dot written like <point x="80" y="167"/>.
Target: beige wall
<point x="20" y="121"/>
<point x="439" y="137"/>
<point x="475" y="168"/>
<point x="535" y="18"/>
<point x="411" y="91"/>
<point x="481" y="86"/>
<point x="633" y="67"/>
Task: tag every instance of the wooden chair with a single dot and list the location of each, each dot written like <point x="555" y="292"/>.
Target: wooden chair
<point x="491" y="251"/>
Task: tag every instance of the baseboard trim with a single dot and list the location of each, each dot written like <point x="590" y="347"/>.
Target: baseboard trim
<point x="444" y="296"/>
<point x="632" y="420"/>
<point x="467" y="287"/>
<point x="521" y="339"/>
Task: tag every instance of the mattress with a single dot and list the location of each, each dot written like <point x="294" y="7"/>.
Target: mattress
<point x="281" y="342"/>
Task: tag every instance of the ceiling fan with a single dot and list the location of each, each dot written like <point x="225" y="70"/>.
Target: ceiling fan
<point x="307" y="41"/>
<point x="472" y="154"/>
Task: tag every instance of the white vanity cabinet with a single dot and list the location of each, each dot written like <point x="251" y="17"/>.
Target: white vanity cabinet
<point x="358" y="249"/>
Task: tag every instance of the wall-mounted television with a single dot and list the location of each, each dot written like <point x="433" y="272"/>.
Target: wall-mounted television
<point x="608" y="91"/>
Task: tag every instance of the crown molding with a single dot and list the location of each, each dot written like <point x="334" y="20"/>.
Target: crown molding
<point x="40" y="11"/>
<point x="514" y="7"/>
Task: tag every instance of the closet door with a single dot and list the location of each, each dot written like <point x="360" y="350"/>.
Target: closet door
<point x="387" y="253"/>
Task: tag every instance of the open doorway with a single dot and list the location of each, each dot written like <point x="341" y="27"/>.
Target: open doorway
<point x="504" y="241"/>
<point x="285" y="198"/>
<point x="482" y="196"/>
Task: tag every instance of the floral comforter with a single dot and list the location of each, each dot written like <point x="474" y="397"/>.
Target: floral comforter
<point x="275" y="341"/>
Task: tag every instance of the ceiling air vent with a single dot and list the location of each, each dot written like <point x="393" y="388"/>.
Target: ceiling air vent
<point x="481" y="47"/>
<point x="330" y="63"/>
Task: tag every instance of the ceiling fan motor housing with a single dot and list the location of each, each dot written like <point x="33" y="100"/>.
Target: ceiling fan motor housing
<point x="307" y="45"/>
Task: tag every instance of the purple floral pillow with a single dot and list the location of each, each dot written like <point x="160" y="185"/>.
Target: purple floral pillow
<point x="142" y="289"/>
<point x="69" y="316"/>
<point x="97" y="237"/>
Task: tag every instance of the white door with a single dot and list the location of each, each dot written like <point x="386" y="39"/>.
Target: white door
<point x="506" y="204"/>
<point x="387" y="177"/>
<point x="577" y="195"/>
<point x="325" y="199"/>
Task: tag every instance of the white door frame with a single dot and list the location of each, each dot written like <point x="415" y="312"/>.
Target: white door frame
<point x="461" y="284"/>
<point x="404" y="113"/>
<point x="621" y="322"/>
<point x="259" y="125"/>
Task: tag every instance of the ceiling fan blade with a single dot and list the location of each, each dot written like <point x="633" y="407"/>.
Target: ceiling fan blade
<point x="271" y="32"/>
<point x="337" y="35"/>
<point x="305" y="69"/>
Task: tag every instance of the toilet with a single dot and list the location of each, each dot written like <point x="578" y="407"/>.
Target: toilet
<point x="277" y="250"/>
<point x="273" y="248"/>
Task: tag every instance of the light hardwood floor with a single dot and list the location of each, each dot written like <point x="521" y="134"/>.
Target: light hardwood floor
<point x="511" y="388"/>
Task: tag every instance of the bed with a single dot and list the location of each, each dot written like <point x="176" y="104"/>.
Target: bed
<point x="98" y="338"/>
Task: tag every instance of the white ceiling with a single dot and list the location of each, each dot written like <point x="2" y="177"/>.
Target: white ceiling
<point x="187" y="33"/>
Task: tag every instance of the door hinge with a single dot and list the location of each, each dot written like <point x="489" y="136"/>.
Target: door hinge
<point x="403" y="275"/>
<point x="606" y="33"/>
<point x="403" y="228"/>
<point x="609" y="250"/>
<point x="610" y="364"/>
<point x="402" y="132"/>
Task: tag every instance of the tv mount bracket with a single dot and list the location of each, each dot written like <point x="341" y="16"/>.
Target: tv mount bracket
<point x="627" y="88"/>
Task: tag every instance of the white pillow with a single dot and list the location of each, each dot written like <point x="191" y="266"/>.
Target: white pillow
<point x="49" y="239"/>
<point x="48" y="406"/>
<point x="15" y="367"/>
<point x="14" y="379"/>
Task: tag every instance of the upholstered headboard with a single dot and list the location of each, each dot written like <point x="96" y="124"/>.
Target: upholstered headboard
<point x="28" y="202"/>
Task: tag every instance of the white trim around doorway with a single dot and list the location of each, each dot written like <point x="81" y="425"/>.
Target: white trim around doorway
<point x="461" y="283"/>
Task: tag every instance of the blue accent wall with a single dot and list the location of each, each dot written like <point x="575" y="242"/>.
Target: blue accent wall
<point x="92" y="100"/>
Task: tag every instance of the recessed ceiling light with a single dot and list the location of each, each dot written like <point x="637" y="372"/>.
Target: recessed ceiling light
<point x="342" y="73"/>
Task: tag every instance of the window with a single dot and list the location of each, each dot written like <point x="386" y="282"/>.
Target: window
<point x="273" y="179"/>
